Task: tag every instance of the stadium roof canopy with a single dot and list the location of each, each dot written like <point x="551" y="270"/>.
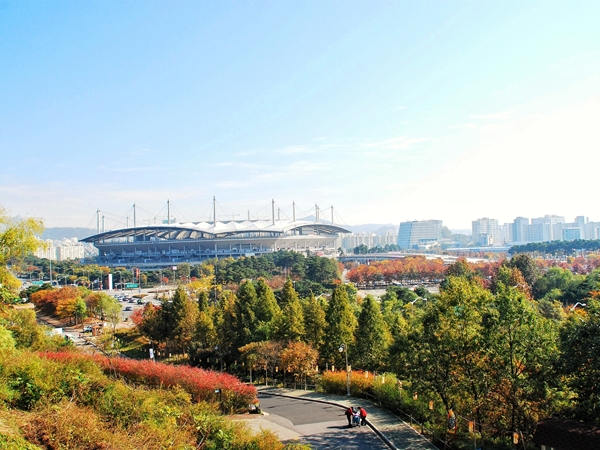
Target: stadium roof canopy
<point x="219" y="230"/>
<point x="167" y="244"/>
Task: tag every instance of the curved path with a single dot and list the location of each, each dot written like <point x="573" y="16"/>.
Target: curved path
<point x="322" y="426"/>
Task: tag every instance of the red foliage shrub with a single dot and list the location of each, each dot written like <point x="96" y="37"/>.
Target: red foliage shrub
<point x="201" y="384"/>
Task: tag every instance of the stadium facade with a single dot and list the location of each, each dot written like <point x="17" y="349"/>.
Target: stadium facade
<point x="152" y="246"/>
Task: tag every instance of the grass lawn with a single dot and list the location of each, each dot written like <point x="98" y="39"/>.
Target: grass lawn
<point x="133" y="344"/>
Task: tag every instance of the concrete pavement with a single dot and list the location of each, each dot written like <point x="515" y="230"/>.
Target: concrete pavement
<point x="396" y="433"/>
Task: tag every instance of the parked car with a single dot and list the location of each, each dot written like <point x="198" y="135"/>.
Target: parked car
<point x="129" y="308"/>
<point x="87" y="329"/>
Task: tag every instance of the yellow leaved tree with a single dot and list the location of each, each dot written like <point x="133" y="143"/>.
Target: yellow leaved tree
<point x="17" y="239"/>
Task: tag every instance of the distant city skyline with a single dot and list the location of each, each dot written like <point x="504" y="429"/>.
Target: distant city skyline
<point x="389" y="111"/>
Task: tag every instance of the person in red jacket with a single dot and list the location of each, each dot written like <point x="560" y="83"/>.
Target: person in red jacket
<point x="349" y="416"/>
<point x="363" y="416"/>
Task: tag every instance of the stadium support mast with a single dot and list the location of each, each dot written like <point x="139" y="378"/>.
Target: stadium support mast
<point x="273" y="211"/>
<point x="168" y="212"/>
<point x="98" y="220"/>
<point x="294" y="211"/>
<point x="331" y="214"/>
<point x="214" y="211"/>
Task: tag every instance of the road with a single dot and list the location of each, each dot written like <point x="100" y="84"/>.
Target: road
<point x="323" y="426"/>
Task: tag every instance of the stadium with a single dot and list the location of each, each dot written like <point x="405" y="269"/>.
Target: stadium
<point x="151" y="246"/>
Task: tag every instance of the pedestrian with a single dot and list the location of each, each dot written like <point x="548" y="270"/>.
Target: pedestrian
<point x="363" y="415"/>
<point x="349" y="416"/>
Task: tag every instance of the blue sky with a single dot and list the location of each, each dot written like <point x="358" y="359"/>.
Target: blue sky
<point x="389" y="111"/>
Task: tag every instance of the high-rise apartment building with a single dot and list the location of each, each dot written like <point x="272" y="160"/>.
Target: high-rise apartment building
<point x="419" y="233"/>
<point x="571" y="233"/>
<point x="486" y="232"/>
<point x="61" y="250"/>
<point x="547" y="228"/>
<point x="350" y="241"/>
<point x="520" y="229"/>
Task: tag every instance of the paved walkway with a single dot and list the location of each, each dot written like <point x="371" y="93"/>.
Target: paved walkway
<point x="395" y="432"/>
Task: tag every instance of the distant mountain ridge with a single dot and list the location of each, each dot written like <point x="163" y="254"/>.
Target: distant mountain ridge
<point x="377" y="228"/>
<point x="59" y="233"/>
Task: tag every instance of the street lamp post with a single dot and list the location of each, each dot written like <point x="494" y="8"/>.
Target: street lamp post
<point x="344" y="348"/>
<point x="583" y="305"/>
<point x="412" y="304"/>
<point x="67" y="273"/>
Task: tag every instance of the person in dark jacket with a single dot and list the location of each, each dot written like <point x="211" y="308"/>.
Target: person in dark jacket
<point x="349" y="416"/>
<point x="363" y="416"/>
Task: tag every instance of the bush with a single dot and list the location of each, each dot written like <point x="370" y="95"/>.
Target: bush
<point x="69" y="403"/>
<point x="68" y="426"/>
<point x="200" y="384"/>
<point x="361" y="383"/>
<point x="8" y="442"/>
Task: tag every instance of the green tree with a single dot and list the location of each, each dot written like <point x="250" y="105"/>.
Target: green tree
<point x="322" y="270"/>
<point x="341" y="323"/>
<point x="554" y="278"/>
<point x="290" y="323"/>
<point x="372" y="337"/>
<point x="7" y="342"/>
<point x="185" y="316"/>
<point x="579" y="362"/>
<point x="226" y="327"/>
<point x="288" y="294"/>
<point x="245" y="307"/>
<point x="266" y="310"/>
<point x="26" y="332"/>
<point x="205" y="330"/>
<point x="203" y="301"/>
<point x="526" y="266"/>
<point x="522" y="350"/>
<point x="362" y="249"/>
<point x="551" y="309"/>
<point x="444" y="352"/>
<point x="510" y="276"/>
<point x="314" y="322"/>
<point x="80" y="310"/>
<point x="581" y="288"/>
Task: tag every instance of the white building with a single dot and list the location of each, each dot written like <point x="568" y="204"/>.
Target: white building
<point x="486" y="232"/>
<point x="353" y="240"/>
<point x="61" y="250"/>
